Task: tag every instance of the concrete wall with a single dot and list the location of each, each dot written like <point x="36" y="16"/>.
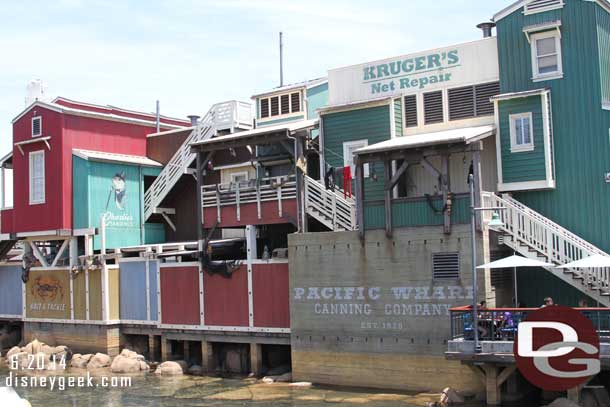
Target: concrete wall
<point x="80" y="338"/>
<point x="371" y="314"/>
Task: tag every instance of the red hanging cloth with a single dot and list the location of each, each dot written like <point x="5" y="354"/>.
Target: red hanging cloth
<point x="347" y="181"/>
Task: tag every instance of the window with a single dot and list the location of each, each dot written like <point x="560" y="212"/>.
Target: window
<point x="37" y="181"/>
<point x="472" y="101"/>
<point x="445" y="266"/>
<point x="279" y="105"/>
<point x="411" y="111"/>
<point x="433" y="107"/>
<point x="36" y="126"/>
<point x="546" y="55"/>
<point x="348" y="155"/>
<point x="239" y="176"/>
<point x="521" y="132"/>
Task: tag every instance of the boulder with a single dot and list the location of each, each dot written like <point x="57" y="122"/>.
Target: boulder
<point x="34" y="347"/>
<point x="131" y="354"/>
<point x="13" y="351"/>
<point x="122" y="364"/>
<point x="269" y="379"/>
<point x="170" y="368"/>
<point x="195" y="370"/>
<point x="80" y="361"/>
<point x="143" y="366"/>
<point x="563" y="402"/>
<point x="450" y="397"/>
<point x="99" y="361"/>
<point x="301" y="384"/>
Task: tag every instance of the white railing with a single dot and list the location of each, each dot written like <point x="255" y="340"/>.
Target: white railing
<point x="549" y="240"/>
<point x="226" y="115"/>
<point x="245" y="192"/>
<point x="328" y="207"/>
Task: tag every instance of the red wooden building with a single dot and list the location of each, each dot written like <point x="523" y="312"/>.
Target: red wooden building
<point x="44" y="136"/>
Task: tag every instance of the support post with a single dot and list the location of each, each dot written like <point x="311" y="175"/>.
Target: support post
<point x="574" y="394"/>
<point x="186" y="354"/>
<point x="199" y="207"/>
<point x="445" y="187"/>
<point x="360" y="198"/>
<point x="476" y="172"/>
<point x="207" y="356"/>
<point x="256" y="358"/>
<point x="300" y="187"/>
<point x="492" y="387"/>
<point x="152" y="348"/>
<point x="251" y="252"/>
<point x="166" y="349"/>
<point x="387" y="197"/>
<point x="105" y="279"/>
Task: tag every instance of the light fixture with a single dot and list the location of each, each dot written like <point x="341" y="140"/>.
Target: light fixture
<point x="495" y="221"/>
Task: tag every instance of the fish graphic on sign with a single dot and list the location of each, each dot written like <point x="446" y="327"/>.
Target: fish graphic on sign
<point x="118" y="189"/>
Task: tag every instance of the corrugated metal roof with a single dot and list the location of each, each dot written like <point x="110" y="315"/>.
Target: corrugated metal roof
<point x="304" y="84"/>
<point x="466" y="135"/>
<point x="113" y="157"/>
<point x="290" y="127"/>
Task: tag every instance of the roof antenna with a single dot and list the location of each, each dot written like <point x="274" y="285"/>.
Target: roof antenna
<point x="158" y="118"/>
<point x="281" y="60"/>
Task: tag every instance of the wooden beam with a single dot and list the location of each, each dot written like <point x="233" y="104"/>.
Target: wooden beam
<point x="389" y="184"/>
<point x="476" y="171"/>
<point x="387" y="199"/>
<point x="505" y="374"/>
<point x="360" y="199"/>
<point x="60" y="252"/>
<point x="38" y="254"/>
<point x="430" y="168"/>
<point x="429" y="151"/>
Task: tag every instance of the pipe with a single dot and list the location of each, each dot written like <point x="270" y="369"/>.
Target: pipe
<point x="281" y="60"/>
<point x="158" y="118"/>
<point x="486" y="27"/>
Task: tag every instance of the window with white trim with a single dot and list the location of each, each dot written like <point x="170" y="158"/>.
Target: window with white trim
<point x="521" y="132"/>
<point x="37" y="177"/>
<point x="36" y="126"/>
<point x="280" y="105"/>
<point x="546" y="55"/>
<point x="348" y="155"/>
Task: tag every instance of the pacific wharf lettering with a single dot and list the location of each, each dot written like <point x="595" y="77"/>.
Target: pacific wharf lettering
<point x="435" y="64"/>
<point x="392" y="301"/>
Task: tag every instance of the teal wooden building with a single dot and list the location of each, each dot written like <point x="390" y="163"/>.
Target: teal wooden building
<point x="112" y="186"/>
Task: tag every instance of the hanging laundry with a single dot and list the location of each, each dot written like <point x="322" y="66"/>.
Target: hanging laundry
<point x="347" y="181"/>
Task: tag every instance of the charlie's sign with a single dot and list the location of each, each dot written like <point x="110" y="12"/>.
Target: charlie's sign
<point x="463" y="64"/>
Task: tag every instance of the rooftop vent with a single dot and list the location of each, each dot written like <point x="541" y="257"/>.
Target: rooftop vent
<point x="194" y="119"/>
<point x="486" y="28"/>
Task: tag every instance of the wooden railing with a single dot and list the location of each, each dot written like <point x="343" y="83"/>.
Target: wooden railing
<point x="254" y="191"/>
<point x="549" y="240"/>
<point x="329" y="207"/>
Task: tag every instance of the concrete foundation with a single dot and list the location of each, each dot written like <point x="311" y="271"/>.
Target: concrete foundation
<point x="78" y="337"/>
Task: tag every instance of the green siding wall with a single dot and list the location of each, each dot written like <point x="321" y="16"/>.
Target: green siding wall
<point x="372" y="124"/>
<point x="415" y="213"/>
<point x="603" y="37"/>
<point x="398" y="117"/>
<point x="93" y="195"/>
<point x="581" y="199"/>
<point x="535" y="284"/>
<point x="524" y="165"/>
<point x="317" y="97"/>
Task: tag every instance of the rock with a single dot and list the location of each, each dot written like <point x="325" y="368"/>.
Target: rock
<point x="122" y="364"/>
<point x="170" y="368"/>
<point x="285" y="378"/>
<point x="98" y="361"/>
<point x="143" y="366"/>
<point x="195" y="370"/>
<point x="562" y="402"/>
<point x="126" y="353"/>
<point x="269" y="379"/>
<point x="450" y="397"/>
<point x="80" y="361"/>
<point x="301" y="384"/>
<point x="34" y="347"/>
<point x="13" y="351"/>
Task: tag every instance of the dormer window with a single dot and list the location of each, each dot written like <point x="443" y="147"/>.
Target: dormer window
<point x="280" y="105"/>
<point x="36" y="126"/>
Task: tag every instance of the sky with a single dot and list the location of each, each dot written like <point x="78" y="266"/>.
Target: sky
<point x="191" y="54"/>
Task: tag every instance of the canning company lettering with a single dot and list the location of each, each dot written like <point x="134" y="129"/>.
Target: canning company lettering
<point x="381" y="301"/>
<point x="401" y="72"/>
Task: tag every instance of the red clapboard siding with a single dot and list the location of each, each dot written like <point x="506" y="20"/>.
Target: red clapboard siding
<point x="270" y="290"/>
<point x="249" y="214"/>
<point x="7" y="223"/>
<point x="180" y="295"/>
<point x="226" y="299"/>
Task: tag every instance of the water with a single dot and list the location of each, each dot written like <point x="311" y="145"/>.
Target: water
<point x="192" y="391"/>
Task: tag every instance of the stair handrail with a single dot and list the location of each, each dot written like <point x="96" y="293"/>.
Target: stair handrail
<point x="339" y="210"/>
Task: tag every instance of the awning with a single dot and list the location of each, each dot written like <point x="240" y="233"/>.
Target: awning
<point x="514" y="261"/>
<point x="115" y="158"/>
<point x="594" y="261"/>
<point x="261" y="135"/>
<point x="463" y="136"/>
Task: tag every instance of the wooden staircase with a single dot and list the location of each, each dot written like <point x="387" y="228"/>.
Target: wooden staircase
<point x="532" y="235"/>
<point x="232" y="116"/>
<point x="328" y="207"/>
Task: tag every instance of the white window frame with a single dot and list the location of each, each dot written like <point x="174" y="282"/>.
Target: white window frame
<point x="536" y="76"/>
<point x="291" y="113"/>
<point x="346" y="148"/>
<point x="40" y="200"/>
<point x="40" y="119"/>
<point x="235" y="174"/>
<point x="512" y="119"/>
